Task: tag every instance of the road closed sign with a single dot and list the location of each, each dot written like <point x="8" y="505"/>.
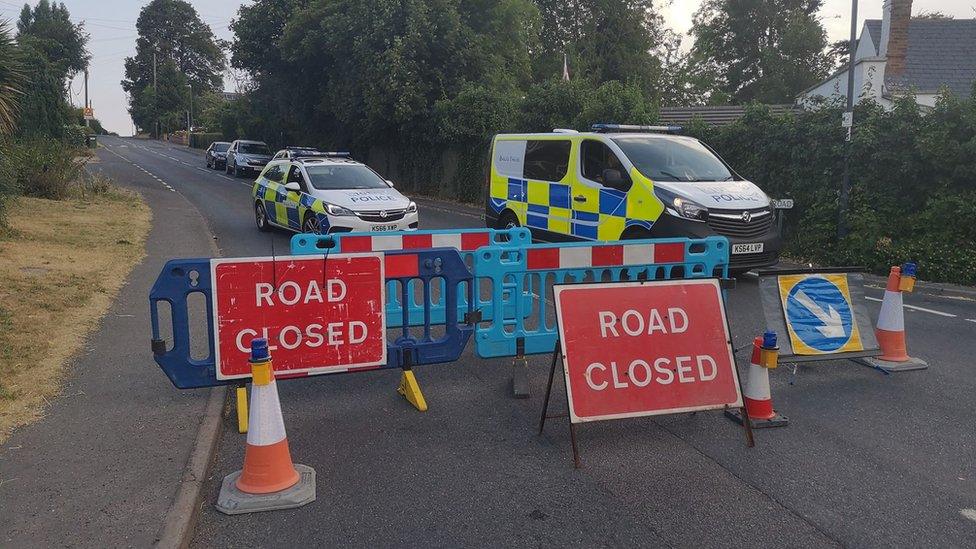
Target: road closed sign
<point x="645" y="348"/>
<point x="318" y="315"/>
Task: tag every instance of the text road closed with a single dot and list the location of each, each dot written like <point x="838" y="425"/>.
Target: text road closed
<point x="318" y="315"/>
<point x="637" y="349"/>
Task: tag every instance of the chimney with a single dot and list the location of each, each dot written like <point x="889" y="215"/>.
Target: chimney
<point x="894" y="36"/>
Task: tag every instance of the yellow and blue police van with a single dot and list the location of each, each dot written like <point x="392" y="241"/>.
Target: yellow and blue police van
<point x="328" y="193"/>
<point x="622" y="182"/>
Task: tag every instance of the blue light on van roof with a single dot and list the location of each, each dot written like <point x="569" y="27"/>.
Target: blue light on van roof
<point x="635" y="128"/>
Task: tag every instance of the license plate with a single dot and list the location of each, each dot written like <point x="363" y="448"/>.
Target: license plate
<point x="753" y="248"/>
<point x="383" y="228"/>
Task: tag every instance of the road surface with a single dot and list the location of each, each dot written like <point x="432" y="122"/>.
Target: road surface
<point x="867" y="460"/>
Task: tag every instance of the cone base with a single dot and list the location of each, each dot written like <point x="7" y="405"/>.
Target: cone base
<point x="232" y="501"/>
<point x="900" y="366"/>
<point x="778" y="420"/>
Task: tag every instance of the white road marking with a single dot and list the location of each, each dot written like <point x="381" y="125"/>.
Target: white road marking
<point x="969" y="513"/>
<point x="971" y="320"/>
<point x="916" y="308"/>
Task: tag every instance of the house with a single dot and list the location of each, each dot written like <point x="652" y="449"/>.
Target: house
<point x="899" y="54"/>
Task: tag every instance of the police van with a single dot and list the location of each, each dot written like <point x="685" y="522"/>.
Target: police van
<point x="328" y="193"/>
<point x="622" y="182"/>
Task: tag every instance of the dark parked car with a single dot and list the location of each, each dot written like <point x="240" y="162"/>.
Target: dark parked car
<point x="245" y="157"/>
<point x="217" y="155"/>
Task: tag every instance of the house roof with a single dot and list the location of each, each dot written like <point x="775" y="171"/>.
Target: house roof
<point x="712" y="115"/>
<point x="940" y="51"/>
<point x="874" y="29"/>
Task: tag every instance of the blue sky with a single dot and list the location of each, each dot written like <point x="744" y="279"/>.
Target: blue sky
<point x="111" y="24"/>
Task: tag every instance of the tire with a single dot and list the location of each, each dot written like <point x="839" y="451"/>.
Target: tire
<point x="636" y="234"/>
<point x="311" y="224"/>
<point x="508" y="220"/>
<point x="261" y="217"/>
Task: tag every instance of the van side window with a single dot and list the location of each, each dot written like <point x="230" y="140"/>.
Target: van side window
<point x="596" y="157"/>
<point x="546" y="160"/>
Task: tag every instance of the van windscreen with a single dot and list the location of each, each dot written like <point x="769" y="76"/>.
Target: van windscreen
<point x="664" y="159"/>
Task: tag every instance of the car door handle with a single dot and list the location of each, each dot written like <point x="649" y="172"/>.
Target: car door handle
<point x="579" y="198"/>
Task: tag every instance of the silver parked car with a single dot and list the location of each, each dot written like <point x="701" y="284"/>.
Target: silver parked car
<point x="244" y="157"/>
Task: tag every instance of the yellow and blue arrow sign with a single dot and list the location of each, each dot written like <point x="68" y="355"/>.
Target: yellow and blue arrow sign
<point x="819" y="314"/>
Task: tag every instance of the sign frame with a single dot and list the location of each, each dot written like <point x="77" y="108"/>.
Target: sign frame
<point x="323" y="370"/>
<point x="559" y="355"/>
<point x="773" y="312"/>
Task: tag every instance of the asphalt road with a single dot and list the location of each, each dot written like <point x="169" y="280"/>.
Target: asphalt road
<point x="867" y="460"/>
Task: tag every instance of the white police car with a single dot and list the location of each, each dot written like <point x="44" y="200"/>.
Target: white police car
<point x="329" y="193"/>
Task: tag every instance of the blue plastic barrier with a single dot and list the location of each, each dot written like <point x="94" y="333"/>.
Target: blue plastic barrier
<point x="535" y="268"/>
<point x="466" y="241"/>
<point x="442" y="267"/>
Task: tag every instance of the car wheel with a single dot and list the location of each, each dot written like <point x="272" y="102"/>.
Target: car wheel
<point x="312" y="224"/>
<point x="508" y="220"/>
<point x="261" y="217"/>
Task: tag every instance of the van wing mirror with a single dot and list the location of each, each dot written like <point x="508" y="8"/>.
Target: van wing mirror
<point x="614" y="179"/>
<point x="389" y="183"/>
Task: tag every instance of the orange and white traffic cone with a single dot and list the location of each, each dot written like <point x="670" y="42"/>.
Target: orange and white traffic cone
<point x="890" y="331"/>
<point x="758" y="401"/>
<point x="269" y="479"/>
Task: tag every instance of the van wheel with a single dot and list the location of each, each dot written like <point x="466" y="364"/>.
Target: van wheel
<point x="261" y="217"/>
<point x="636" y="233"/>
<point x="508" y="220"/>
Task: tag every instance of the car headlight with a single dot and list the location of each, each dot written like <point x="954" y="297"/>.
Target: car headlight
<point x="412" y="207"/>
<point x="338" y="210"/>
<point x="682" y="207"/>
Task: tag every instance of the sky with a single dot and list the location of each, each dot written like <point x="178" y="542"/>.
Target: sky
<point x="111" y="24"/>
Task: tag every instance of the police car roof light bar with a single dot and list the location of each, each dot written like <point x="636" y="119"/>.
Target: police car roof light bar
<point x="605" y="128"/>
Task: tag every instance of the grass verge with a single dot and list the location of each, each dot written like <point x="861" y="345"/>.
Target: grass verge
<point x="55" y="286"/>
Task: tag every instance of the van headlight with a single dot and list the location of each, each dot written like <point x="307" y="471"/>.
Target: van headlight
<point x="680" y="206"/>
<point x="338" y="210"/>
<point x="412" y="207"/>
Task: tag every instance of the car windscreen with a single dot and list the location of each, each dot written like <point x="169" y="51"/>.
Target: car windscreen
<point x="664" y="159"/>
<point x="221" y="147"/>
<point x="344" y="176"/>
<point x="253" y="148"/>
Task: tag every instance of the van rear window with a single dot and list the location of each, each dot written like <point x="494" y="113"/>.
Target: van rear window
<point x="546" y="160"/>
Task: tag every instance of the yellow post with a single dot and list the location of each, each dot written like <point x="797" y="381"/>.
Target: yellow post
<point x="242" y="409"/>
<point x="411" y="391"/>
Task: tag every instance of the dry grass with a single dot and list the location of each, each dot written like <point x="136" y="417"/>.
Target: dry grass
<point x="55" y="260"/>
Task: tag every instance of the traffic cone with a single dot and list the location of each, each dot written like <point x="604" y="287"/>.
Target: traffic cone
<point x="890" y="331"/>
<point x="758" y="401"/>
<point x="269" y="479"/>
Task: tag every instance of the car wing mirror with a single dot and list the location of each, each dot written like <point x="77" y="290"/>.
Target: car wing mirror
<point x="292" y="186"/>
<point x="614" y="179"/>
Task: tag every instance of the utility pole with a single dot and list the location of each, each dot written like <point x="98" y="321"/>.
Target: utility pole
<point x="87" y="104"/>
<point x="155" y="96"/>
<point x="848" y="122"/>
<point x="189" y="115"/>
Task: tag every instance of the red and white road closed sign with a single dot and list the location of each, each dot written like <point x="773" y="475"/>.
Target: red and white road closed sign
<point x="318" y="315"/>
<point x="645" y="348"/>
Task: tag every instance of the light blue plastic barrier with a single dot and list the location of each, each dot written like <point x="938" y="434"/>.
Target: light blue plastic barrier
<point x="533" y="269"/>
<point x="465" y="241"/>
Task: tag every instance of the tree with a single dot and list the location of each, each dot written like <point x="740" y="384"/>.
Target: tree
<point x="764" y="50"/>
<point x="12" y="80"/>
<point x="171" y="32"/>
<point x="604" y="40"/>
<point x="49" y="29"/>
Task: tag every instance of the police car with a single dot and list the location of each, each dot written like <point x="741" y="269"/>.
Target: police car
<point x="329" y="193"/>
<point x="622" y="182"/>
